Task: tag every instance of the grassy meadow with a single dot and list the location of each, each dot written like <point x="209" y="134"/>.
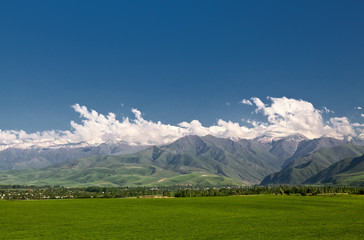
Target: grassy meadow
<point x="243" y="217"/>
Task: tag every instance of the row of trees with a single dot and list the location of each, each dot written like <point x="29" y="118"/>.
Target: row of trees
<point x="19" y="192"/>
<point x="277" y="190"/>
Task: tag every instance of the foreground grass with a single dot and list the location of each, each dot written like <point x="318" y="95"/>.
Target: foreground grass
<point x="247" y="217"/>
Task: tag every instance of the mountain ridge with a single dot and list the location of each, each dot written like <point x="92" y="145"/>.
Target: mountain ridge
<point x="349" y="171"/>
<point x="301" y="169"/>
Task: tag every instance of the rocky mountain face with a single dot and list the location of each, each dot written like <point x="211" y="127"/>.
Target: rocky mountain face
<point x="286" y="147"/>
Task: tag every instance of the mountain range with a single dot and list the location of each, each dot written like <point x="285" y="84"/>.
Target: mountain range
<point x="191" y="160"/>
<point x="36" y="157"/>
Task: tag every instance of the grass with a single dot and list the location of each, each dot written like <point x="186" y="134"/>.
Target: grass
<point x="246" y="217"/>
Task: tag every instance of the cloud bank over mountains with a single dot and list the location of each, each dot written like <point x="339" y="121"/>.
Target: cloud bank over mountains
<point x="284" y="116"/>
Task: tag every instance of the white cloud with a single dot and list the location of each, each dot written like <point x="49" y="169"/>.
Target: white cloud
<point x="247" y="102"/>
<point x="342" y="126"/>
<point x="326" y="110"/>
<point x="362" y="115"/>
<point x="358" y="108"/>
<point x="284" y="116"/>
<point x="290" y="116"/>
<point x="96" y="128"/>
<point x="260" y="105"/>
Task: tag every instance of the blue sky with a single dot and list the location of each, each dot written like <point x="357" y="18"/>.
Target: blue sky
<point x="176" y="61"/>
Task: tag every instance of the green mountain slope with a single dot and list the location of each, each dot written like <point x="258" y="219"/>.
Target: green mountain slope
<point x="245" y="160"/>
<point x="301" y="169"/>
<point x="348" y="171"/>
<point x="109" y="171"/>
<point x="189" y="160"/>
<point x="307" y="147"/>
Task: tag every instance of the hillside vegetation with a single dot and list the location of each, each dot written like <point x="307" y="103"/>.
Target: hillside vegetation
<point x="298" y="171"/>
<point x="348" y="171"/>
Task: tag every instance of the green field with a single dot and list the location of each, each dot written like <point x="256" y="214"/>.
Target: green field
<point x="245" y="217"/>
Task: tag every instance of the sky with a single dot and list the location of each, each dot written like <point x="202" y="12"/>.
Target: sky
<point x="180" y="63"/>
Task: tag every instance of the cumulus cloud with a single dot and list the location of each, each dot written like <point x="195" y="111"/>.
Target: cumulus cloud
<point x="358" y="108"/>
<point x="362" y="115"/>
<point x="283" y="116"/>
<point x="342" y="127"/>
<point x="247" y="102"/>
<point x="290" y="116"/>
<point x="97" y="128"/>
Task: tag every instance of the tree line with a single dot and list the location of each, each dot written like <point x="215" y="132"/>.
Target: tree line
<point x="21" y="192"/>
